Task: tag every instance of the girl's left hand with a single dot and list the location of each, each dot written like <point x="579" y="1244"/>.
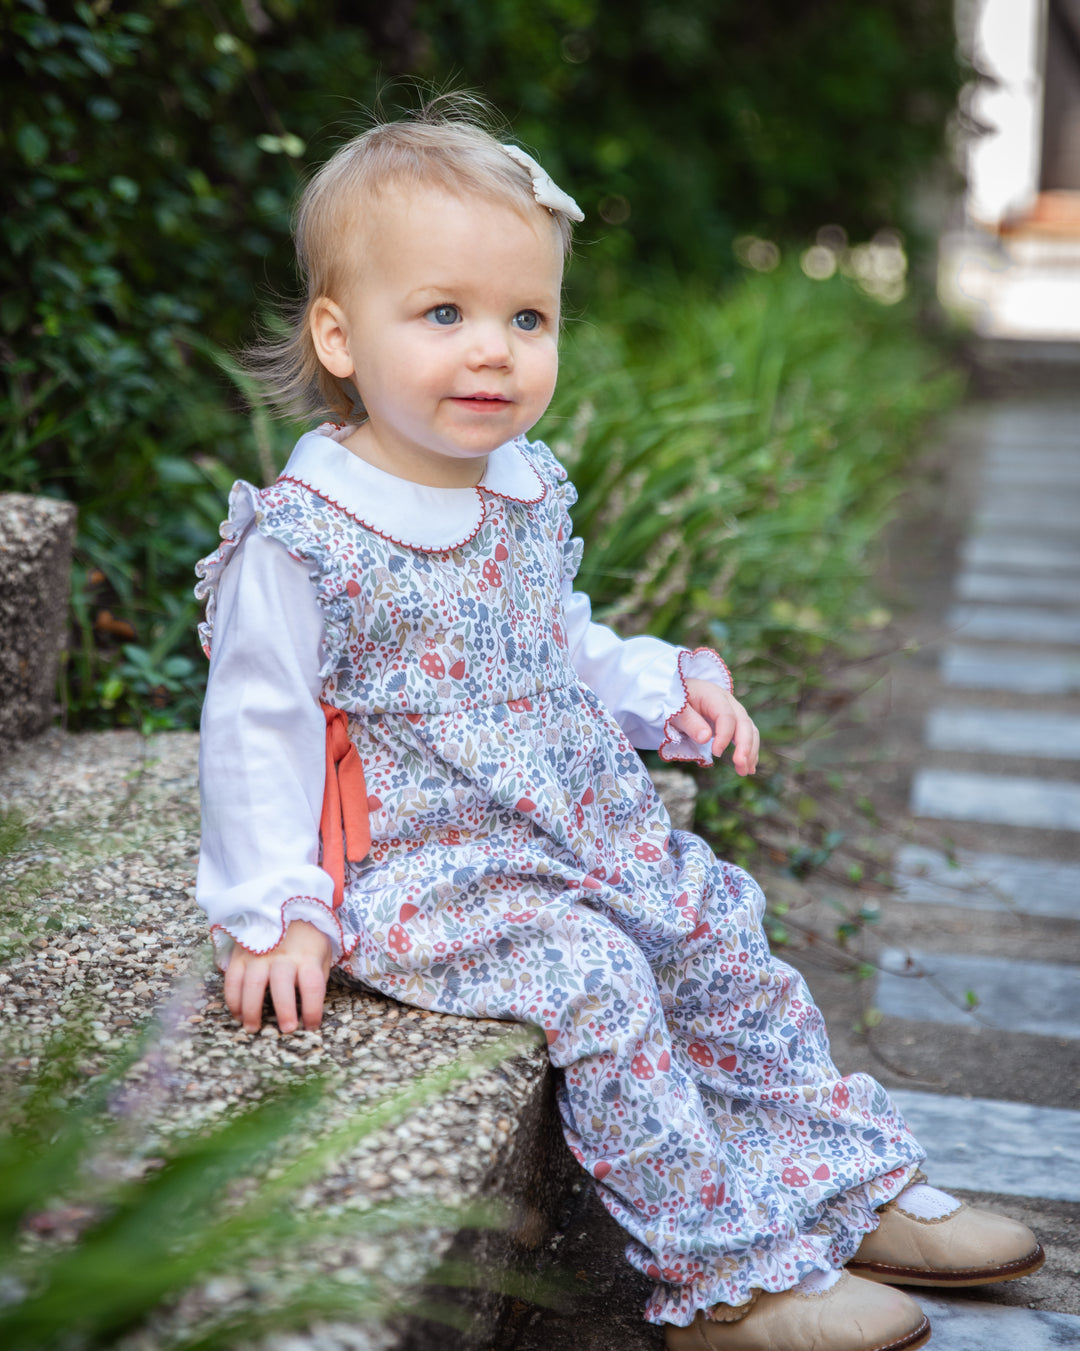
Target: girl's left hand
<point x="712" y="711"/>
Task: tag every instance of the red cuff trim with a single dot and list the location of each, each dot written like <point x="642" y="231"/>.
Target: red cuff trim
<point x="347" y="949"/>
<point x="672" y="735"/>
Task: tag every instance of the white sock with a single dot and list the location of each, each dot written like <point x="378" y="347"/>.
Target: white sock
<point x="926" y="1202"/>
<point x="818" y="1282"/>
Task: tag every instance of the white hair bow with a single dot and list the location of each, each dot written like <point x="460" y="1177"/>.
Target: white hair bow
<point x="545" y="189"/>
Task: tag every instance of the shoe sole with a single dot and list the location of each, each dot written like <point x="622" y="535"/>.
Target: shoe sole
<point x="909" y="1342"/>
<point x="948" y="1280"/>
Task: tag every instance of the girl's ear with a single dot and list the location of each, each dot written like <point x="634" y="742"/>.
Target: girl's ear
<point x="330" y="337"/>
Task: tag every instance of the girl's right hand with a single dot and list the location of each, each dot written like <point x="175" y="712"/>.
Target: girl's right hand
<point x="300" y="962"/>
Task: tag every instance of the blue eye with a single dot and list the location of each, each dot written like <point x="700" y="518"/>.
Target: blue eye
<point x="444" y="314"/>
<point x="528" y="321"/>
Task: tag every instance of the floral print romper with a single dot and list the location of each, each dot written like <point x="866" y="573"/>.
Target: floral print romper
<point x="522" y="867"/>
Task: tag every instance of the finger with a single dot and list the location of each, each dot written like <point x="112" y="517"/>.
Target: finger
<point x="251" y="1001"/>
<point x="312" y="983"/>
<point x="693" y="724"/>
<point x="283" y="993"/>
<point x="747" y="742"/>
<point x="234" y="982"/>
<point x="724" y="731"/>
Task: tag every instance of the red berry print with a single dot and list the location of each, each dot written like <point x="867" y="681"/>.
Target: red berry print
<point x="399" y="940"/>
<point x="700" y="1054"/>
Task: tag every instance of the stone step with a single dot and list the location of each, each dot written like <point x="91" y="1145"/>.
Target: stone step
<point x="985" y="1145"/>
<point x="1001" y="589"/>
<point x="1022" y="553"/>
<point x="965" y="1324"/>
<point x="1040" y="998"/>
<point x="986" y="881"/>
<point x="1003" y="668"/>
<point x="994" y="731"/>
<point x="1015" y="623"/>
<point x="996" y="799"/>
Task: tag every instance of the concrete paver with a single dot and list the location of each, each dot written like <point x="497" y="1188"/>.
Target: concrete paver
<point x="1028" y="1150"/>
<point x="988" y="881"/>
<point x="1053" y="736"/>
<point x="994" y="586"/>
<point x="986" y="668"/>
<point x="1014" y="623"/>
<point x="997" y="799"/>
<point x="1042" y="998"/>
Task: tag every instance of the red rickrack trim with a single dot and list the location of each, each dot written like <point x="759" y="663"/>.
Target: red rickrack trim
<point x="390" y="539"/>
<point x="669" y="736"/>
<point x="346" y="951"/>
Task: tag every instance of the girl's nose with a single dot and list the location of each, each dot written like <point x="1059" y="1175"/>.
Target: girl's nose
<point x="489" y="346"/>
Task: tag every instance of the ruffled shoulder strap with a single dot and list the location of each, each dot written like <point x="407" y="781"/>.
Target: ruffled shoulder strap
<point x="244" y="507"/>
<point x="562" y="498"/>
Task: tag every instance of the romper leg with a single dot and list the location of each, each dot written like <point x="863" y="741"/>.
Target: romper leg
<point x="705" y="1218"/>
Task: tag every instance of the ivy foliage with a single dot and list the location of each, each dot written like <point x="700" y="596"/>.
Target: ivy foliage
<point x="150" y="150"/>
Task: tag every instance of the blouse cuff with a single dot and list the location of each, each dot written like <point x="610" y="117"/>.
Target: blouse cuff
<point x="259" y="925"/>
<point x="700" y="664"/>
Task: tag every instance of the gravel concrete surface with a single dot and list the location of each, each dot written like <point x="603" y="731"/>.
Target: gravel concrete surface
<point x="101" y="925"/>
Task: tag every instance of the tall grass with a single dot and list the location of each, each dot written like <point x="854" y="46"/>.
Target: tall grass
<point x="736" y="460"/>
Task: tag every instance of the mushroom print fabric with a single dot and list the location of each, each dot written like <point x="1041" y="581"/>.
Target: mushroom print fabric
<point x="522" y="867"/>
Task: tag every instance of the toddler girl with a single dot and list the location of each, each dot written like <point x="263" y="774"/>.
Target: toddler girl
<point x="418" y="764"/>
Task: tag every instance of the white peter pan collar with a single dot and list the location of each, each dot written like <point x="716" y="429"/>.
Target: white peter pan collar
<point x="412" y="514"/>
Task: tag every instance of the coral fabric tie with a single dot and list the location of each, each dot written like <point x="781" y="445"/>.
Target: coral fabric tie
<point x="343" y="828"/>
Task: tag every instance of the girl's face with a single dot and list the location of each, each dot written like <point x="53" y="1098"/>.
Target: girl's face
<point x="448" y="328"/>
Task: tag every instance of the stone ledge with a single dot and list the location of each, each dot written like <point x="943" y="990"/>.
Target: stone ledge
<point x="113" y="920"/>
<point x="36" y="536"/>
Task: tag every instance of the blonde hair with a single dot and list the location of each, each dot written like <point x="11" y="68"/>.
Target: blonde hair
<point x="446" y="145"/>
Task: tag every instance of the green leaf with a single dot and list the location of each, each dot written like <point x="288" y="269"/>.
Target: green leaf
<point x="31" y="143"/>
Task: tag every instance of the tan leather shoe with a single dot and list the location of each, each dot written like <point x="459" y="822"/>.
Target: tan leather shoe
<point x="968" y="1247"/>
<point x="851" y="1316"/>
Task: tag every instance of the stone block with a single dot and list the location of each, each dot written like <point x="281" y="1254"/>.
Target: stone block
<point x="36" y="536"/>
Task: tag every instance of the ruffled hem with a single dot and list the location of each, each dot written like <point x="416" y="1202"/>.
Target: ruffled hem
<point x="226" y="936"/>
<point x="676" y="745"/>
<point x="740" y="1275"/>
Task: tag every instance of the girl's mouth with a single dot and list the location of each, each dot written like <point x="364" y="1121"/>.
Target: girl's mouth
<point x="483" y="402"/>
